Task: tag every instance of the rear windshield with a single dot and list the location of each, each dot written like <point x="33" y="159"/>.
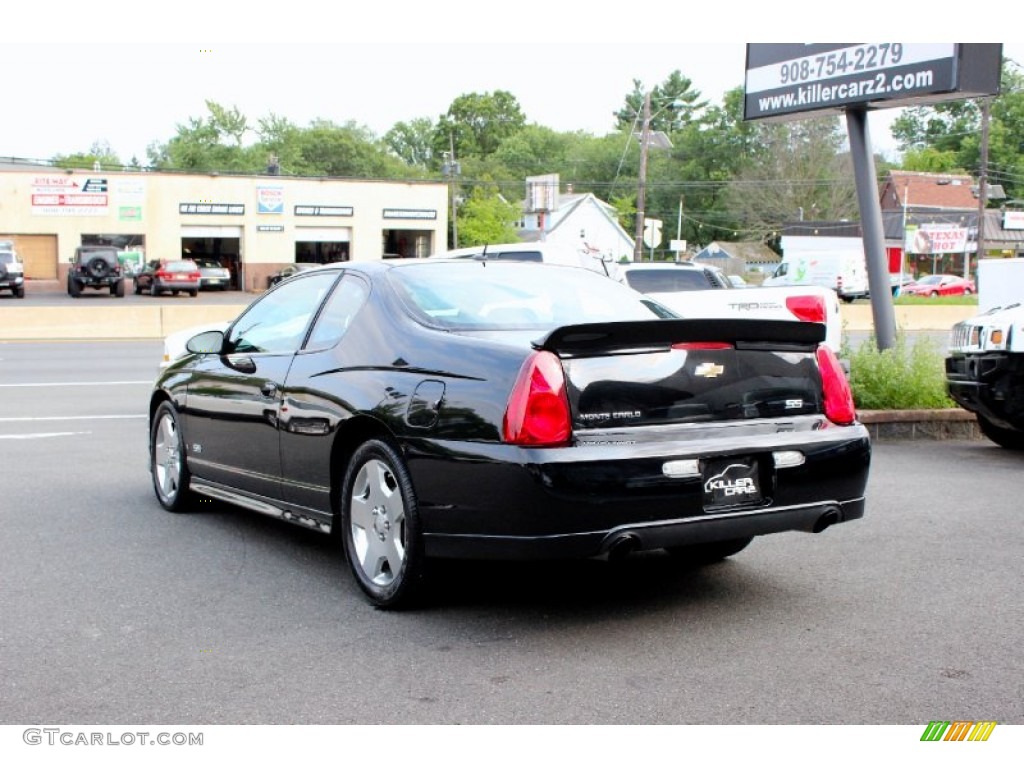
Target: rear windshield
<point x="180" y="266"/>
<point x="468" y="295"/>
<point x="6" y="257"/>
<point x="209" y="263"/>
<point x="668" y="280"/>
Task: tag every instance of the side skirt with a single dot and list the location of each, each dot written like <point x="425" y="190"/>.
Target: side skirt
<point x="260" y="505"/>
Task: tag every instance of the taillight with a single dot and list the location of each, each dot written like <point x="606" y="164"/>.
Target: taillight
<point x="839" y="407"/>
<point x="538" y="408"/>
<point x="810" y="309"/>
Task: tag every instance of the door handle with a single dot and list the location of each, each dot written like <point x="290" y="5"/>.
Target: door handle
<point x="268" y="388"/>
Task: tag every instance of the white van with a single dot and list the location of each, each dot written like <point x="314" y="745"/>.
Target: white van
<point x="550" y="253"/>
<point x="843" y="271"/>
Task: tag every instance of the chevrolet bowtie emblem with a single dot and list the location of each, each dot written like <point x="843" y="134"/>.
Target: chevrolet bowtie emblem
<point x="709" y="370"/>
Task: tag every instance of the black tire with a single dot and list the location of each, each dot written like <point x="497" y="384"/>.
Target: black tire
<point x="74" y="287"/>
<point x="712" y="552"/>
<point x="968" y="291"/>
<point x="1011" y="439"/>
<point x="137" y="289"/>
<point x="153" y="289"/>
<point x="167" y="460"/>
<point x="934" y="294"/>
<point x="19" y="292"/>
<point x="118" y="289"/>
<point x="380" y="526"/>
<point x="193" y="294"/>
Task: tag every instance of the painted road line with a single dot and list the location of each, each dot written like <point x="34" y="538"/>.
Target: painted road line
<point x="37" y="435"/>
<point x="79" y="384"/>
<point x="12" y="419"/>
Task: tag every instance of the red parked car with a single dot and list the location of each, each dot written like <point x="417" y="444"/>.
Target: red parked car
<point x="180" y="276"/>
<point x="940" y="285"/>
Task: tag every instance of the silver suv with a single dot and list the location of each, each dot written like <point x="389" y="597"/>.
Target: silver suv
<point x="12" y="272"/>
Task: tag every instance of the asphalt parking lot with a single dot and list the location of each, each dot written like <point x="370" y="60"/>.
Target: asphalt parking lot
<point x="115" y="611"/>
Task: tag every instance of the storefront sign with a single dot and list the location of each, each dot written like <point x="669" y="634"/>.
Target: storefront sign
<point x="222" y="209"/>
<point x="270" y="199"/>
<point x="1013" y="219"/>
<point x="69" y="196"/>
<point x="323" y="210"/>
<point x="409" y="213"/>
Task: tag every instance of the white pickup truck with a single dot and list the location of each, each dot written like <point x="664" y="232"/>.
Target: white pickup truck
<point x="696" y="290"/>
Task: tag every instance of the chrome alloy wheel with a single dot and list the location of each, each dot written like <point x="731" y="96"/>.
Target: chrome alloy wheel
<point x="167" y="458"/>
<point x="378" y="523"/>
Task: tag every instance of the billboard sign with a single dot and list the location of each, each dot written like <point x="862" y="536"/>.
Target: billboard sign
<point x="787" y="80"/>
<point x="935" y="239"/>
<point x="69" y="196"/>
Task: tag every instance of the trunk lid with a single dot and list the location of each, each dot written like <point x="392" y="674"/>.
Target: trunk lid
<point x="688" y="371"/>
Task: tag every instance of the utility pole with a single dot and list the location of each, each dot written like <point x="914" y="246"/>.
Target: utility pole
<point x="982" y="191"/>
<point x="450" y="169"/>
<point x="641" y="192"/>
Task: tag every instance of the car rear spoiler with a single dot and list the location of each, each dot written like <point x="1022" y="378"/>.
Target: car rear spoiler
<point x="589" y="338"/>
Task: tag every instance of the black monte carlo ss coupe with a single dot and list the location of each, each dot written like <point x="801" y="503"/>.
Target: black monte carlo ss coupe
<point x="472" y="409"/>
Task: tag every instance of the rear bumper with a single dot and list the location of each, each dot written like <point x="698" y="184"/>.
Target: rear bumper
<point x="176" y="285"/>
<point x="505" y="502"/>
<point x="812" y="518"/>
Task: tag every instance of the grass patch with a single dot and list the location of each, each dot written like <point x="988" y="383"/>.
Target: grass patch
<point x="902" y="377"/>
<point x="937" y="301"/>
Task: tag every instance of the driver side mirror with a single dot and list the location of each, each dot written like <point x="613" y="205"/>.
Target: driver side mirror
<point x="206" y="343"/>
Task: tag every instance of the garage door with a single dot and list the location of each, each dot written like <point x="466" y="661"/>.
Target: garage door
<point x="39" y="252"/>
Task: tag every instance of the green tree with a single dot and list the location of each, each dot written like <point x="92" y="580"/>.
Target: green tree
<point x="674" y="103"/>
<point x="947" y="136"/>
<point x="280" y="138"/>
<point x="485" y="217"/>
<point x="99" y="153"/>
<point x="477" y="124"/>
<point x="412" y="142"/>
<point x="800" y="167"/>
<point x="211" y="143"/>
<point x="931" y="160"/>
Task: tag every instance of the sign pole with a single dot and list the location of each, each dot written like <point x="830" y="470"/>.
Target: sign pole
<point x="871" y="225"/>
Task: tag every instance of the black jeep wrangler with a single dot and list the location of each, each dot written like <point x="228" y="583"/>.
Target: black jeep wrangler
<point x="95" y="266"/>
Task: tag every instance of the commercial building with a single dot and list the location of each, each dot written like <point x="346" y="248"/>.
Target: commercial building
<point x="253" y="224"/>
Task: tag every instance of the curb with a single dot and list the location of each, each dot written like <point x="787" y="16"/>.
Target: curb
<point x="941" y="424"/>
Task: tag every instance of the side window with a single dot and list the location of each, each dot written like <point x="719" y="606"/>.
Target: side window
<point x="277" y="323"/>
<point x="341" y="307"/>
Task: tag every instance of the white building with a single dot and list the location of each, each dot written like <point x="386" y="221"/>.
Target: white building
<point x="580" y="221"/>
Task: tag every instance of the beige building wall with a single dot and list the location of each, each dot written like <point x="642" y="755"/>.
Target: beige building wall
<point x="268" y="214"/>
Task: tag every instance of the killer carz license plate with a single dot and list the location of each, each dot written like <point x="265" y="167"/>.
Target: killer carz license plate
<point x="731" y="481"/>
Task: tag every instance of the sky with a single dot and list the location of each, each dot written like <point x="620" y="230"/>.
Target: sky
<point x="114" y="72"/>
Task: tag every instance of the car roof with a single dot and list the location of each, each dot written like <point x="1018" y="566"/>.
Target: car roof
<point x="639" y="266"/>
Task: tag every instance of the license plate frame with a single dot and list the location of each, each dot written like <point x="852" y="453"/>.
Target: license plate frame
<point x="732" y="481"/>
